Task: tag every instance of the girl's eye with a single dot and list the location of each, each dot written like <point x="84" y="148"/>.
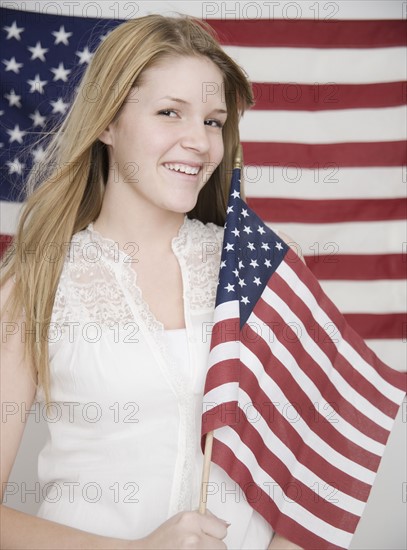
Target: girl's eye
<point x="214" y="123"/>
<point x="168" y="112"/>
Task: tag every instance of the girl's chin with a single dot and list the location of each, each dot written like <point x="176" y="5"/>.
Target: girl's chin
<point x="183" y="204"/>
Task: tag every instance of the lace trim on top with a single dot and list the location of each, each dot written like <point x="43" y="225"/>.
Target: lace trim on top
<point x="94" y="264"/>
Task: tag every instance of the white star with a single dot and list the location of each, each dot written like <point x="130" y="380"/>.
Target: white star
<point x="103" y="37"/>
<point x="229" y="209"/>
<point x="14" y="31"/>
<point x="230" y="288"/>
<point x="61" y="36"/>
<point x="251" y="246"/>
<point x="15" y="166"/>
<point x="279" y="246"/>
<point x="241" y="265"/>
<point x="37" y="85"/>
<point x="16" y="134"/>
<point x="267" y="263"/>
<point x="38" y="52"/>
<point x="59" y="106"/>
<point x="12" y="65"/>
<point x="257" y="281"/>
<point x="245" y="300"/>
<point x="265" y="246"/>
<point x="236" y="272"/>
<point x="254" y="263"/>
<point x="241" y="283"/>
<point x="229" y="246"/>
<point x="222" y="264"/>
<point x="235" y="194"/>
<point x="13" y="99"/>
<point x="38" y="154"/>
<point x="247" y="229"/>
<point x="236" y="232"/>
<point x="244" y="213"/>
<point x="38" y="118"/>
<point x="84" y="56"/>
<point x="60" y="73"/>
<point x="261" y="230"/>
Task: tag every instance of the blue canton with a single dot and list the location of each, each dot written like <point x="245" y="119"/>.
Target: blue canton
<point x="42" y="59"/>
<point x="251" y="253"/>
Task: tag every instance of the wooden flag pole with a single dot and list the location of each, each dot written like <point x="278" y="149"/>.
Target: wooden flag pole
<point x="205" y="472"/>
<point x="209" y="436"/>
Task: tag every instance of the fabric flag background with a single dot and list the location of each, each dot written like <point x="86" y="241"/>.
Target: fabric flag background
<point x="301" y="409"/>
<point x="324" y="147"/>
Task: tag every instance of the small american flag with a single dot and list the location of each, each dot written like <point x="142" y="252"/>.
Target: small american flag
<point x="301" y="407"/>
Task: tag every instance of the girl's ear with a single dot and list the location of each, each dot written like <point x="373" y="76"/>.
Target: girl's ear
<point x="106" y="136"/>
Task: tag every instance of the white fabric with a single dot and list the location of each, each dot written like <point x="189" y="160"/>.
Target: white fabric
<point x="124" y="451"/>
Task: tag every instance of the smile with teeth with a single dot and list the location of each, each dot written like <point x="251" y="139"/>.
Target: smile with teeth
<point x="184" y="168"/>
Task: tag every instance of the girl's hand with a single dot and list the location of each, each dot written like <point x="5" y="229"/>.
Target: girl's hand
<point x="188" y="530"/>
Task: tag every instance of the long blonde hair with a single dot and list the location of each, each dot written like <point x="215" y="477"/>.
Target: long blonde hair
<point x="70" y="193"/>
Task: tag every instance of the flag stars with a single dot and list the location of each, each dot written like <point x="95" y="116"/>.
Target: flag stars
<point x="241" y="283"/>
<point x="15" y="166"/>
<point x="37" y="118"/>
<point x="84" y="56"/>
<point x="229" y="209"/>
<point x="222" y="264"/>
<point x="38" y="154"/>
<point x="279" y="246"/>
<point x="236" y="232"/>
<point x="254" y="263"/>
<point x="12" y="65"/>
<point x="251" y="246"/>
<point x="59" y="106"/>
<point x="229" y="247"/>
<point x="13" y="99"/>
<point x="60" y="73"/>
<point x="261" y="230"/>
<point x="235" y="194"/>
<point x="14" y="31"/>
<point x="245" y="300"/>
<point x="235" y="272"/>
<point x="257" y="281"/>
<point x="244" y="212"/>
<point x="265" y="246"/>
<point x="241" y="264"/>
<point x="16" y="134"/>
<point x="37" y="85"/>
<point x="230" y="288"/>
<point x="38" y="52"/>
<point x="61" y="36"/>
<point x="267" y="263"/>
<point x="247" y="229"/>
<point x="103" y="37"/>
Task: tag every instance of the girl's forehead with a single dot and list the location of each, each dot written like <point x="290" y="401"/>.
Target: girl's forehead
<point x="167" y="66"/>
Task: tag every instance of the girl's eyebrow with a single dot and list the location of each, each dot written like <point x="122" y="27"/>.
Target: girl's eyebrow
<point x="179" y="100"/>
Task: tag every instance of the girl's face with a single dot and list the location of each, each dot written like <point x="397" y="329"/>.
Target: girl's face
<point x="167" y="140"/>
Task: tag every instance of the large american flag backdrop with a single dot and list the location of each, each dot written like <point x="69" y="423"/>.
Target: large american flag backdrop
<point x="324" y="146"/>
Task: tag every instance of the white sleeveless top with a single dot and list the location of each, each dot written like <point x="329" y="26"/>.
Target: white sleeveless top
<point x="123" y="454"/>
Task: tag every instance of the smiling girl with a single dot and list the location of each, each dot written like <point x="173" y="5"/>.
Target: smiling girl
<point x="137" y="202"/>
